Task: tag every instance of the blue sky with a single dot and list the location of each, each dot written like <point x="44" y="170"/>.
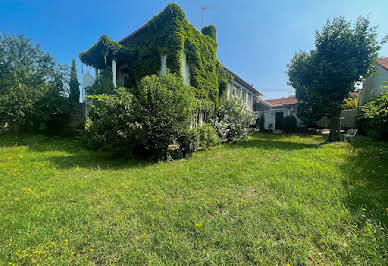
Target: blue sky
<point x="256" y="39"/>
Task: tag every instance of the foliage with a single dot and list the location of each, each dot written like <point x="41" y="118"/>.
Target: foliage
<point x="289" y="124"/>
<point x="164" y="108"/>
<point x="233" y="120"/>
<point x="169" y="33"/>
<point x="33" y="88"/>
<point x="207" y="136"/>
<point x="210" y="31"/>
<point x="146" y="122"/>
<point x="74" y="85"/>
<point x="111" y="123"/>
<point x="260" y="122"/>
<point x="324" y="77"/>
<point x="375" y="115"/>
<point x="103" y="84"/>
<point x="350" y="103"/>
<point x="274" y="199"/>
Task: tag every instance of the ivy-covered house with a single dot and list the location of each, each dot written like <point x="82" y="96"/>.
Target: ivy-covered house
<point x="168" y="42"/>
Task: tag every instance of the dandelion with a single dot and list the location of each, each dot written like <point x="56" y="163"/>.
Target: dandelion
<point x="66" y="240"/>
<point x="381" y="228"/>
<point x="17" y="198"/>
<point x="198" y="224"/>
<point x="363" y="215"/>
<point x="91" y="249"/>
<point x="363" y="209"/>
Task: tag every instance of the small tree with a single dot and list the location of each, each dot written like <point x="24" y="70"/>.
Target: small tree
<point x="324" y="76"/>
<point x="73" y="85"/>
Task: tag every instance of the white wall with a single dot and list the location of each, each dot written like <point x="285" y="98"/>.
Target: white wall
<point x="270" y="116"/>
<point x="236" y="86"/>
<point x="185" y="69"/>
<point x="372" y="85"/>
<point x="163" y="63"/>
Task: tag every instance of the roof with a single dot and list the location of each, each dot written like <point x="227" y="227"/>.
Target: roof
<point x="238" y="78"/>
<point x="133" y="33"/>
<point x="282" y="101"/>
<point x="354" y="94"/>
<point x="383" y="62"/>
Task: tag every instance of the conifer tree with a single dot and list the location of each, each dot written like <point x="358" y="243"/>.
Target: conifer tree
<point x="74" y="85"/>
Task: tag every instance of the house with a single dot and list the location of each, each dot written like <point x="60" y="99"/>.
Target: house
<point x="168" y="42"/>
<point x="242" y="90"/>
<point x="372" y="86"/>
<point x="274" y="110"/>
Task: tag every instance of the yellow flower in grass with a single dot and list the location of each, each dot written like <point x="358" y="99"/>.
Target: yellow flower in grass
<point x="91" y="249"/>
<point x="363" y="215"/>
<point x="198" y="224"/>
<point x="381" y="228"/>
<point x="363" y="209"/>
<point x="66" y="240"/>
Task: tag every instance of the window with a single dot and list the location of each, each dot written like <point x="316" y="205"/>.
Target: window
<point x="238" y="89"/>
<point x="244" y="96"/>
<point x="249" y="100"/>
<point x="163" y="67"/>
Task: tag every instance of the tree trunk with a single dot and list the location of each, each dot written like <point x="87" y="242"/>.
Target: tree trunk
<point x="335" y="127"/>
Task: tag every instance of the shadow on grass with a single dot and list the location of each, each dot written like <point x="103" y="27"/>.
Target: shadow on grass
<point x="76" y="154"/>
<point x="275" y="141"/>
<point x="367" y="183"/>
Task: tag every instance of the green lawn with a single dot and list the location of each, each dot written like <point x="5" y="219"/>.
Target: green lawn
<point x="273" y="199"/>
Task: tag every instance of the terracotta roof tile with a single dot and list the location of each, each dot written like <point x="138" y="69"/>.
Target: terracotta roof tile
<point x="383" y="62"/>
<point x="282" y="101"/>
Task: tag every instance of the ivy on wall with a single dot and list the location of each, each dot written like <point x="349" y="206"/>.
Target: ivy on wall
<point x="168" y="33"/>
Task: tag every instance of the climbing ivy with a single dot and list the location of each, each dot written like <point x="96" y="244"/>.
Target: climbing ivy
<point x="210" y="31"/>
<point x="168" y="33"/>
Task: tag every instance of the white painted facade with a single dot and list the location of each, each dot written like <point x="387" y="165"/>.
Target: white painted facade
<point x="372" y="86"/>
<point x="114" y="71"/>
<point x="246" y="94"/>
<point x="185" y="69"/>
<point x="270" y="115"/>
<point x="163" y="63"/>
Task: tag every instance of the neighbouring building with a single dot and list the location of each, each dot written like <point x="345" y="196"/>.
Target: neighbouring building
<point x="372" y="86"/>
<point x="274" y="110"/>
<point x="168" y="42"/>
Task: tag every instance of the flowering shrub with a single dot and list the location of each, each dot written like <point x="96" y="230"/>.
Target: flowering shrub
<point x="233" y="120"/>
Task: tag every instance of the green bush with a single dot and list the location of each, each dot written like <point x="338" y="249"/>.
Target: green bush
<point x="375" y="116"/>
<point x="233" y="120"/>
<point x="289" y="124"/>
<point x="164" y="108"/>
<point x="147" y="122"/>
<point x="260" y="122"/>
<point x="207" y="136"/>
<point x="111" y="123"/>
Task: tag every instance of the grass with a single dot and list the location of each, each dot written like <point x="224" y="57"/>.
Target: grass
<point x="273" y="199"/>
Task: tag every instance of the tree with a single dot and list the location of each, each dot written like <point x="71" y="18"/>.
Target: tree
<point x="32" y="85"/>
<point x="73" y="85"/>
<point x="324" y="76"/>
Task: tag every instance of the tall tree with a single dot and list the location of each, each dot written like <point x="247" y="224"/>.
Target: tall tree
<point x="32" y="85"/>
<point x="324" y="76"/>
<point x="74" y="85"/>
